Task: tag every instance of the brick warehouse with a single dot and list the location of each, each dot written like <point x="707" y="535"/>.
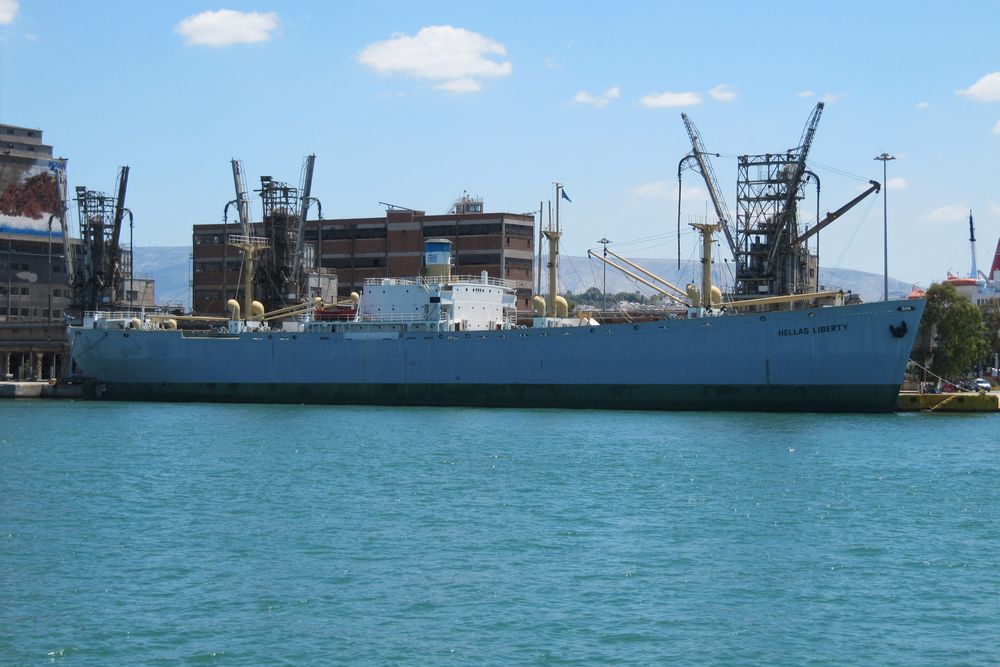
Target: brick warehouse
<point x="501" y="244"/>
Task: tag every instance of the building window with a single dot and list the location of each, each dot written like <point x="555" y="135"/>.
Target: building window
<point x="57" y="292"/>
<point x="24" y="291"/>
<point x="24" y="312"/>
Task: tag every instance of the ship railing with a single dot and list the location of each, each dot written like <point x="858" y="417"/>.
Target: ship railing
<point x="242" y="240"/>
<point x="441" y="280"/>
<point x="395" y="318"/>
<point x="95" y="315"/>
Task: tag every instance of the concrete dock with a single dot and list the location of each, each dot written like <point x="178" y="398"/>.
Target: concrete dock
<point x="40" y="390"/>
<point x="956" y="402"/>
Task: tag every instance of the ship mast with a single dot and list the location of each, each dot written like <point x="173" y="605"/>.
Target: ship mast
<point x="972" y="246"/>
<point x="707" y="230"/>
<point x="553" y="238"/>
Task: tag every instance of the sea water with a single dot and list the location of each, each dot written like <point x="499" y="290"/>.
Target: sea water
<point x="191" y="534"/>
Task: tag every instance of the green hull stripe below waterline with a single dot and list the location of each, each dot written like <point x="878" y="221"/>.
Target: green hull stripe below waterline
<point x="778" y="398"/>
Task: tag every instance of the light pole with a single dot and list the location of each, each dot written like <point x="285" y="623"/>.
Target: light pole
<point x="885" y="157"/>
<point x="604" y="293"/>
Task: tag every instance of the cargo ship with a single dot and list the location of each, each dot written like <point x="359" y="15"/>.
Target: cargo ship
<point x="444" y="340"/>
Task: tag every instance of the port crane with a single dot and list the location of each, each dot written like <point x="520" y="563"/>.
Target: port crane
<point x="99" y="280"/>
<point x="772" y="257"/>
<point x="280" y="270"/>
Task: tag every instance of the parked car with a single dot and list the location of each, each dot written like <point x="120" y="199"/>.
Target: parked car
<point x="979" y="384"/>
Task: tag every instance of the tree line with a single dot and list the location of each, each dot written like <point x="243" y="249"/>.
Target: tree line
<point x="956" y="336"/>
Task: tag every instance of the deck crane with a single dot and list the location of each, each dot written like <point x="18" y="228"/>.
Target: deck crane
<point x="714" y="191"/>
<point x="874" y="186"/>
<point x="793" y="176"/>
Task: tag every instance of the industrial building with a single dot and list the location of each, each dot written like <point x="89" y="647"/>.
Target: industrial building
<point x="354" y="249"/>
<point x="34" y="287"/>
<point x="45" y="275"/>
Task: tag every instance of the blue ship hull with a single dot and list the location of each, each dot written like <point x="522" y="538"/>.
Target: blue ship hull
<point x="837" y="359"/>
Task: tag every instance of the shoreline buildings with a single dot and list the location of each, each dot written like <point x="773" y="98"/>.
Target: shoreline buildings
<point x="356" y="249"/>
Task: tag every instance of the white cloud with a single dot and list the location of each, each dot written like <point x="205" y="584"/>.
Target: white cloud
<point x="668" y="99"/>
<point x="830" y="98"/>
<point x="551" y="63"/>
<point x="654" y="190"/>
<point x="897" y="183"/>
<point x="994" y="208"/>
<point x="8" y="11"/>
<point x="694" y="192"/>
<point x="667" y="190"/>
<point x="454" y="58"/>
<point x="226" y="27"/>
<point x="996" y="128"/>
<point x="724" y="92"/>
<point x="460" y="85"/>
<point x="987" y="89"/>
<point x="583" y="97"/>
<point x="805" y="93"/>
<point x="949" y="213"/>
<point x="921" y="105"/>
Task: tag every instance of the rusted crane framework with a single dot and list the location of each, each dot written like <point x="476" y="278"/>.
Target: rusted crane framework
<point x="765" y="228"/>
<point x="769" y="257"/>
<point x="274" y="283"/>
<point x="278" y="279"/>
<point x="99" y="281"/>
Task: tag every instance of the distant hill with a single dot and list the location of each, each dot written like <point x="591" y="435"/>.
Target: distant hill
<point x="171" y="268"/>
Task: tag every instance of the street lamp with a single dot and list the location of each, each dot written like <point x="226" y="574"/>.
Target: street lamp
<point x="885" y="157"/>
<point x="604" y="293"/>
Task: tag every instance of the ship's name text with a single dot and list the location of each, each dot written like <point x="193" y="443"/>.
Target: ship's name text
<point x="806" y="331"/>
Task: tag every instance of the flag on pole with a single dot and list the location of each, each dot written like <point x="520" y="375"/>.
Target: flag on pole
<point x="566" y="196"/>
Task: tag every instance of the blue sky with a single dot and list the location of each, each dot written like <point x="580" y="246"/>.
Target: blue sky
<point x="412" y="103"/>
